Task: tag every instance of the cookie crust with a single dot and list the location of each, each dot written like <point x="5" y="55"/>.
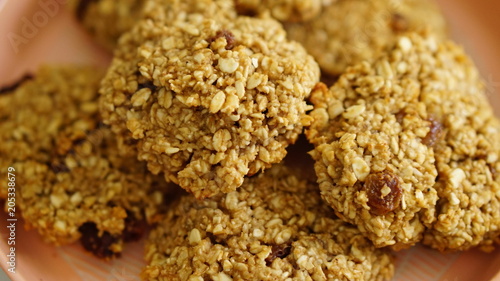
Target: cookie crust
<point x="406" y="146"/>
<point x="75" y="181"/>
<point x="275" y="227"/>
<point x="209" y="101"/>
<point x="348" y="32"/>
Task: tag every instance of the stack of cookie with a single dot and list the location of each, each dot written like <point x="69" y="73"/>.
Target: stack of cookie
<point x="210" y="95"/>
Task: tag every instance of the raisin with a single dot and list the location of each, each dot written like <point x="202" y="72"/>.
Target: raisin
<point x="400" y="116"/>
<point x="399" y="23"/>
<point x="329" y="79"/>
<point x="278" y="251"/>
<point x="59" y="167"/>
<point x="436" y="133"/>
<point x="79" y="141"/>
<point x="493" y="171"/>
<point x="244" y="10"/>
<point x="101" y="125"/>
<point x="82" y="8"/>
<point x="147" y="84"/>
<point x="12" y="87"/>
<point x="99" y="246"/>
<point x="134" y="228"/>
<point x="374" y="184"/>
<point x="230" y="40"/>
<point x="130" y="141"/>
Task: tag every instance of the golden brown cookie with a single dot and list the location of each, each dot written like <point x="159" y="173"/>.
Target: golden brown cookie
<point x="209" y="101"/>
<point x="75" y="181"/>
<point x="107" y="20"/>
<point x="282" y="10"/>
<point x="406" y="146"/>
<point x="274" y="227"/>
<point x="347" y="32"/>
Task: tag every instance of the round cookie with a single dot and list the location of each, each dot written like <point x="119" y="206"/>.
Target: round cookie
<point x="405" y="146"/>
<point x="74" y="179"/>
<point x="208" y="101"/>
<point x="274" y="227"/>
<point x="465" y="136"/>
<point x="107" y="20"/>
<point x="282" y="10"/>
<point x="169" y="11"/>
<point x="347" y="32"/>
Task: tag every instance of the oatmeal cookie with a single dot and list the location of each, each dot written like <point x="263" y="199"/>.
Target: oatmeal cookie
<point x="274" y="227"/>
<point x="282" y="10"/>
<point x="465" y="136"/>
<point x="74" y="180"/>
<point x="350" y="31"/>
<point x="209" y="101"/>
<point x="107" y="20"/>
<point x="407" y="145"/>
<point x="169" y="11"/>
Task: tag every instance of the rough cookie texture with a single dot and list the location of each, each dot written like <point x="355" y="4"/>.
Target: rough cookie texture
<point x="282" y="10"/>
<point x="350" y="31"/>
<point x="409" y="143"/>
<point x="170" y="11"/>
<point x="275" y="227"/>
<point x="465" y="136"/>
<point x="74" y="181"/>
<point x="107" y="20"/>
<point x="209" y="101"/>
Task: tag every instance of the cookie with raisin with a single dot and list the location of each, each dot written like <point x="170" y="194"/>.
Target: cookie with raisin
<point x="282" y="10"/>
<point x="274" y="227"/>
<point x="347" y="32"/>
<point x="405" y="147"/>
<point x="209" y="101"/>
<point x="107" y="20"/>
<point x="75" y="180"/>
